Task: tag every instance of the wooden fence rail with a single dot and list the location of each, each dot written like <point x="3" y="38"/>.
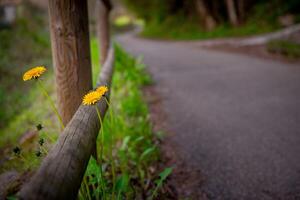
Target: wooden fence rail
<point x="61" y="172"/>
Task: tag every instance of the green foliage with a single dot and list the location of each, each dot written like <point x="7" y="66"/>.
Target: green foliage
<point x="129" y="143"/>
<point x="129" y="147"/>
<point x="284" y="47"/>
<point x="148" y="10"/>
<point x="24" y="45"/>
<point x="287" y="6"/>
<point x="124" y="23"/>
<point x="129" y="150"/>
<point x="159" y="182"/>
<point x="122" y="184"/>
<point x="178" y="19"/>
<point x="175" y="29"/>
<point x="132" y="69"/>
<point x="12" y="198"/>
<point x="123" y="20"/>
<point x="24" y="123"/>
<point x="95" y="58"/>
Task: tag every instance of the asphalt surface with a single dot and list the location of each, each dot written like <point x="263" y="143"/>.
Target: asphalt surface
<point x="235" y="118"/>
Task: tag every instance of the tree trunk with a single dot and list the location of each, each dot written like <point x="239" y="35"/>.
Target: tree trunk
<point x="208" y="21"/>
<point x="241" y="10"/>
<point x="215" y="10"/>
<point x="71" y="53"/>
<point x="232" y="12"/>
<point x="103" y="10"/>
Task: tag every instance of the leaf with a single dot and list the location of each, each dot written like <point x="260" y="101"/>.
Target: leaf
<point x="164" y="174"/>
<point x="122" y="183"/>
<point x="93" y="171"/>
<point x="125" y="143"/>
<point x="93" y="167"/>
<point x="147" y="152"/>
<point x="162" y="177"/>
<point x="11" y="198"/>
<point x="139" y="139"/>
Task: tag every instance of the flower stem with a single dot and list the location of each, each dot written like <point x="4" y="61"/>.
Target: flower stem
<point x="101" y="150"/>
<point x="50" y="138"/>
<point x="26" y="162"/>
<point x="87" y="188"/>
<point x="51" y="102"/>
<point x="111" y="149"/>
<point x="44" y="149"/>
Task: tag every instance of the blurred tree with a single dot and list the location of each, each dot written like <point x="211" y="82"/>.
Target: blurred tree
<point x="205" y="15"/>
<point x="241" y="10"/>
<point x="233" y="18"/>
<point x="210" y="12"/>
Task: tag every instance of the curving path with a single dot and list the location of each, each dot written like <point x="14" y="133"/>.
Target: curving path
<point x="235" y="118"/>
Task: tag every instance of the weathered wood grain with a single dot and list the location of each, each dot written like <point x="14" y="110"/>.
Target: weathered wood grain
<point x="71" y="53"/>
<point x="103" y="9"/>
<point x="61" y="172"/>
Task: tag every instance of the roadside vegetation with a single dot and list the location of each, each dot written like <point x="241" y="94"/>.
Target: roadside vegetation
<point x="130" y="146"/>
<point x="29" y="128"/>
<point x="178" y="29"/>
<point x="202" y="19"/>
<point x="25" y="44"/>
<point x="285" y="48"/>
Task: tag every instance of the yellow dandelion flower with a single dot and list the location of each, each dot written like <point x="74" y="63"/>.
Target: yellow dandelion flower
<point x="91" y="98"/>
<point x="102" y="90"/>
<point x="34" y="73"/>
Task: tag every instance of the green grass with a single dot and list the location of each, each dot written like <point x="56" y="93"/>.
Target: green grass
<point x="182" y="29"/>
<point x="22" y="106"/>
<point x="123" y="23"/>
<point x="127" y="135"/>
<point x="24" y="45"/>
<point x="123" y="20"/>
<point x="177" y="27"/>
<point x="284" y="47"/>
<point x="25" y="122"/>
<point x="126" y="130"/>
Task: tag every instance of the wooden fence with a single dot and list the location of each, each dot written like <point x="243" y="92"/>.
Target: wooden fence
<point x="62" y="170"/>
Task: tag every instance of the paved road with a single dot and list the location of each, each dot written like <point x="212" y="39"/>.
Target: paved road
<point x="236" y="118"/>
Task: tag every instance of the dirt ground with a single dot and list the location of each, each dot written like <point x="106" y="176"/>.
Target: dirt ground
<point x="183" y="181"/>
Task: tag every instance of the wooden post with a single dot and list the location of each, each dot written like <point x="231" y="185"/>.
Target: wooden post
<point x="71" y="53"/>
<point x="103" y="10"/>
